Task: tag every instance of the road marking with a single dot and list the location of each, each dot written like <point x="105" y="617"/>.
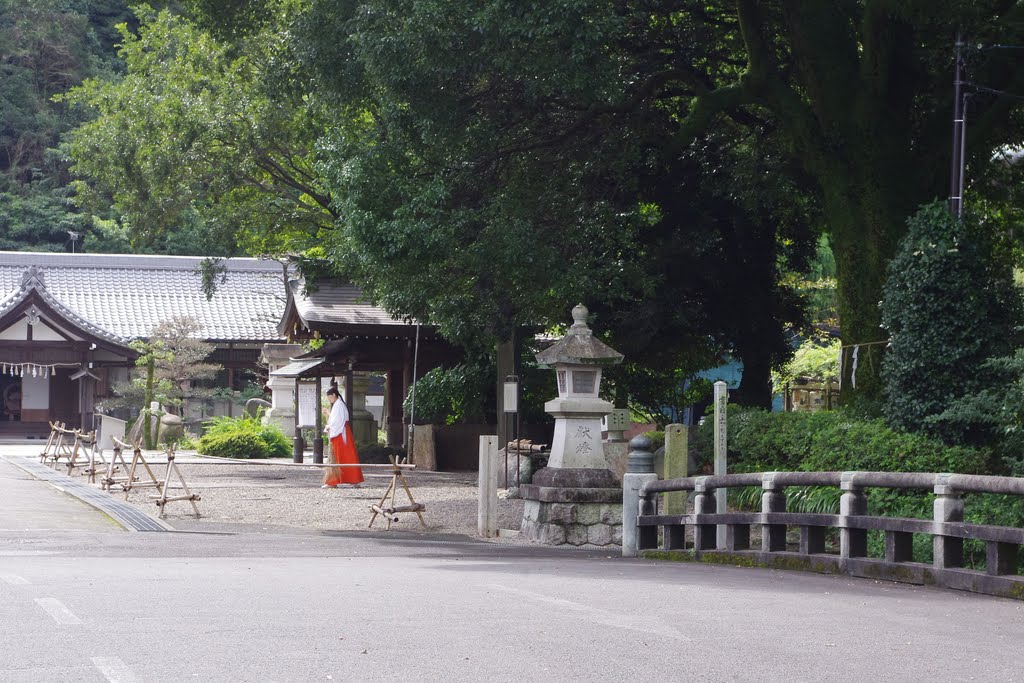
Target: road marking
<point x="13" y="579"/>
<point x="56" y="609"/>
<point x="599" y="616"/>
<point x="114" y="670"/>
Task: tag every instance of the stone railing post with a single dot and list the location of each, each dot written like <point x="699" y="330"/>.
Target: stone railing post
<point x="705" y="536"/>
<point x="639" y="471"/>
<point x="853" y="502"/>
<point x="773" y="499"/>
<point x="948" y="507"/>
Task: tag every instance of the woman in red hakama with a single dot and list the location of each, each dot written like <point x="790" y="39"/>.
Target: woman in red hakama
<point x="343" y="445"/>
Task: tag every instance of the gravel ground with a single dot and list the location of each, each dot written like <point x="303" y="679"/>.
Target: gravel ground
<point x="283" y="496"/>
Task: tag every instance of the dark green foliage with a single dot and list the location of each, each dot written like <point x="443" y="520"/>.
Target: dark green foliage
<point x="997" y="411"/>
<point x="243" y="437"/>
<point x="949" y="305"/>
<point x="46" y="47"/>
<point x="450" y="396"/>
<point x="828" y="441"/>
<point x="380" y="454"/>
<point x="657" y="439"/>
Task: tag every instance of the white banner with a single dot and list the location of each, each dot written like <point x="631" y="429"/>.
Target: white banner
<point x="307" y="404"/>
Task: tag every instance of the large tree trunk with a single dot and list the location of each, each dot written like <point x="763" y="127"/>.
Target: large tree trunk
<point x="866" y="227"/>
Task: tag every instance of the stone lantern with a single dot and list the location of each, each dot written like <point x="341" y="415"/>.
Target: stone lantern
<point x="576" y="499"/>
<point x="578" y="359"/>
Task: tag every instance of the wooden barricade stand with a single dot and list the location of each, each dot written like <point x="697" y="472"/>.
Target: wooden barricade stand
<point x="163" y="499"/>
<point x="390" y="512"/>
<point x="50" y="441"/>
<point x="85" y="446"/>
<point x="131" y="481"/>
<point x="117" y="463"/>
<point x="60" y="446"/>
<point x="68" y="451"/>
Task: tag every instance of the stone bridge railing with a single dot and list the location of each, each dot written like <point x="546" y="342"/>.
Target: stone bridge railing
<point x="947" y="528"/>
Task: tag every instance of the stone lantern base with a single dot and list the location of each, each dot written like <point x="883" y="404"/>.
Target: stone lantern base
<point x="574" y="506"/>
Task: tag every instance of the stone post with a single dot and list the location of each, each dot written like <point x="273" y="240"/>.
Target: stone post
<point x="487" y="511"/>
<point x="640" y="471"/>
<point x="721" y="450"/>
<point x="677" y="466"/>
<point x="853" y="502"/>
<point x="948" y="507"/>
<point x="773" y="499"/>
<point x="704" y="503"/>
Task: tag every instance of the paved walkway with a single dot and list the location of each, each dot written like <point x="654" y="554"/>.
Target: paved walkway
<point x="29" y="504"/>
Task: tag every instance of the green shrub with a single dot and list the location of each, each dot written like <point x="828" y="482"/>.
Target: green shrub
<point x="450" y="395"/>
<point x="829" y="441"/>
<point x="243" y="437"/>
<point x="949" y="305"/>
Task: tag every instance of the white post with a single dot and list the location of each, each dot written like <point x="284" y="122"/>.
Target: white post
<point x="487" y="510"/>
<point x="721" y="444"/>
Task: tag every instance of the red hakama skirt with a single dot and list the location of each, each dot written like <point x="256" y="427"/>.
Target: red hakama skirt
<point x="343" y="452"/>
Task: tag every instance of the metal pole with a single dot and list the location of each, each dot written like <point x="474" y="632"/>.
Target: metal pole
<point x="956" y="163"/>
<point x="963" y="153"/>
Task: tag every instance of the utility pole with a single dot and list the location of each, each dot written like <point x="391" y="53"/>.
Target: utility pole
<point x="956" y="172"/>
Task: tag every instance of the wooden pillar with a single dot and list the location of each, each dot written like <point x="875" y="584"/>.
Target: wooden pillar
<point x="506" y="358"/>
<point x="231" y="387"/>
<point x="298" y="445"/>
<point x="407" y="361"/>
<point x="318" y="438"/>
<point x="394" y="397"/>
<point x="349" y="389"/>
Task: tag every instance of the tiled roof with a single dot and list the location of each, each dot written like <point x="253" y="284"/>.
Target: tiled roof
<point x="127" y="295"/>
<point x="32" y="283"/>
<point x="340" y="303"/>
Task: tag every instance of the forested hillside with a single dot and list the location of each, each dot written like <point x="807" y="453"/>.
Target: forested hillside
<point x="47" y="47"/>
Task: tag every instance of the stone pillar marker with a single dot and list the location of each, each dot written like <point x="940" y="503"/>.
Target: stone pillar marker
<point x="576" y="499"/>
<point x="677" y="465"/>
<point x="721" y="449"/>
<point x="487" y="509"/>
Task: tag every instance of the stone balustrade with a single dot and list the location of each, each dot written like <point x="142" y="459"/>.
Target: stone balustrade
<point x="849" y="555"/>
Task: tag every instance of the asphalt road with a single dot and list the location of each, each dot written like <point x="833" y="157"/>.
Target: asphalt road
<point x="98" y="604"/>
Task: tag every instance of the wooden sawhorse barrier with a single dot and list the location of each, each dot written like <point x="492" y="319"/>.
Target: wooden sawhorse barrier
<point x="84" y="454"/>
<point x="390" y="512"/>
<point x="131" y="481"/>
<point x="57" y="444"/>
<point x="163" y="499"/>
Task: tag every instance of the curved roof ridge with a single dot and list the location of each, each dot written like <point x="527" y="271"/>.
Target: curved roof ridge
<point x="33" y="282"/>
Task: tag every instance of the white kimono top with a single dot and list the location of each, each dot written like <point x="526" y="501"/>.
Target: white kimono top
<point x="337" y="420"/>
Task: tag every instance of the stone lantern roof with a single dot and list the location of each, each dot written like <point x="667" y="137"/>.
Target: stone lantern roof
<point x="579" y="346"/>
